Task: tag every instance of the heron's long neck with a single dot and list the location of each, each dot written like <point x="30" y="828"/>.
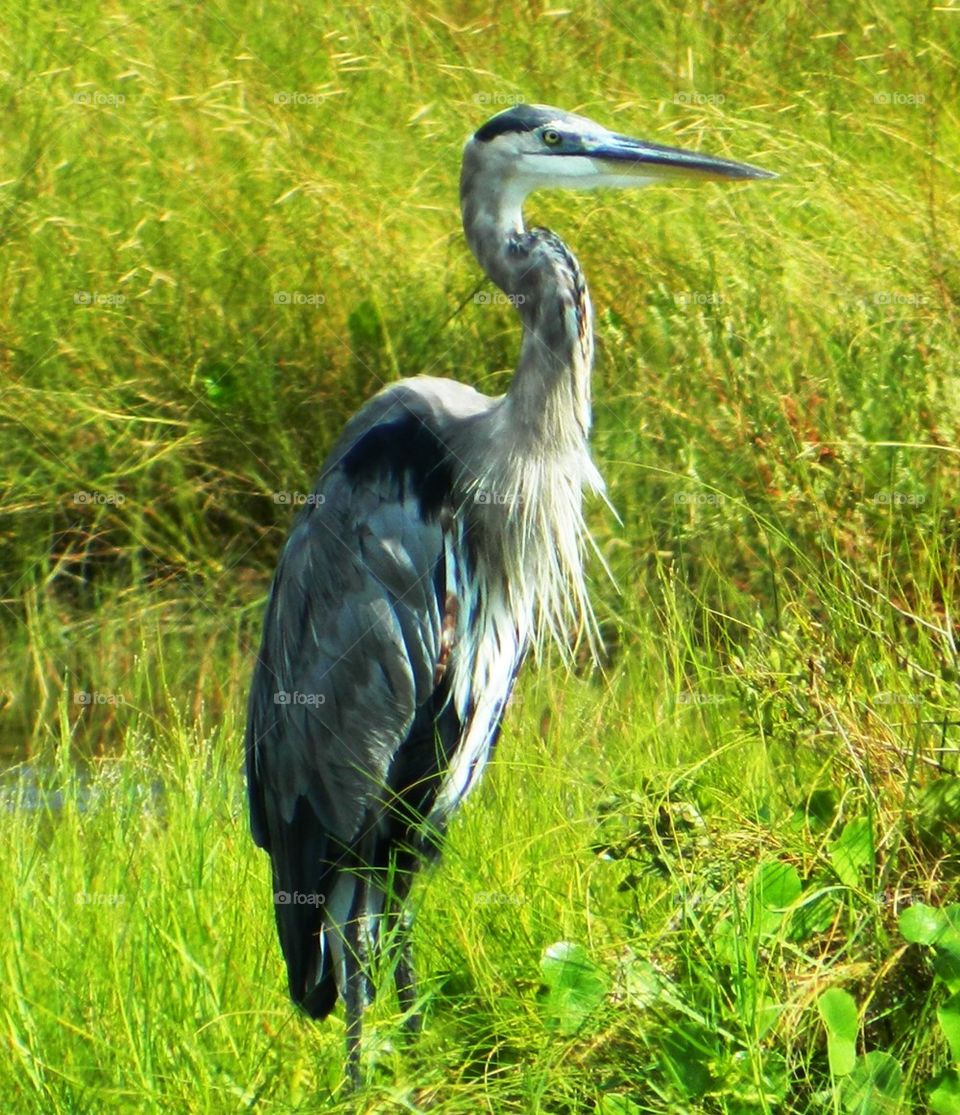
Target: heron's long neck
<point x="535" y="459"/>
<point x="548" y="402"/>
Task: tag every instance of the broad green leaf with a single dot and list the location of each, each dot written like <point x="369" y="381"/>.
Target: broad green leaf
<point x="920" y="924"/>
<point x="852" y="851"/>
<point x="944" y="1098"/>
<point x="940" y="930"/>
<point x="948" y="1015"/>
<point x="618" y="1105"/>
<point x="774" y="888"/>
<point x="838" y="1009"/>
<point x="841" y="1019"/>
<point x="946" y="960"/>
<point x="575" y="985"/>
<point x="874" y="1087"/>
<point x="643" y="983"/>
<point x="777" y="885"/>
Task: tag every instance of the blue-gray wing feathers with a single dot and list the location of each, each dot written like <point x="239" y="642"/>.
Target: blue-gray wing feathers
<point x="346" y="715"/>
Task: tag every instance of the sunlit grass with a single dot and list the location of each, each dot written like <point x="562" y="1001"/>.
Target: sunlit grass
<point x="224" y="229"/>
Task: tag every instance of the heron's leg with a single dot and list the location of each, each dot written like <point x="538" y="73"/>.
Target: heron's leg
<point x="355" y="961"/>
<point x="400" y="925"/>
<point x="406" y="979"/>
<point x="353" y="1001"/>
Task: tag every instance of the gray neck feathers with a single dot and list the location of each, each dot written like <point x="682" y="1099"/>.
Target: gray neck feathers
<point x="550" y="392"/>
<point x="530" y="470"/>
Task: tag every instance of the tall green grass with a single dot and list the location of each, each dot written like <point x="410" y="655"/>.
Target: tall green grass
<point x="224" y="227"/>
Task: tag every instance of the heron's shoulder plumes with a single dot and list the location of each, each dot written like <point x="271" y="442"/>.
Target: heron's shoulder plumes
<point x="527" y="530"/>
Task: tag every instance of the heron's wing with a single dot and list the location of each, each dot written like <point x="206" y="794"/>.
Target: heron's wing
<point x="353" y="633"/>
<point x="363" y="721"/>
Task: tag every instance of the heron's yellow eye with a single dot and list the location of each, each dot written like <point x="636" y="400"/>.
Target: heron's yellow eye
<point x="551" y="137"/>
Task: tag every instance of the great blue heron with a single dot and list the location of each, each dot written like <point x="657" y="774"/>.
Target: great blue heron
<point x="444" y="537"/>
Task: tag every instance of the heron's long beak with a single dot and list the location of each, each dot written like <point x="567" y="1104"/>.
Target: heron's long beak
<point x="622" y="156"/>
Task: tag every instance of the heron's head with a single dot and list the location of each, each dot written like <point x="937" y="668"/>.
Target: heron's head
<point x="531" y="147"/>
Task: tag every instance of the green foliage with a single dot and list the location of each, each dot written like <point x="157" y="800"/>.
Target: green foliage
<point x="944" y="1098"/>
<point x="940" y="930"/>
<point x="222" y="232"/>
<point x="948" y="1015"/>
<point x="839" y="1013"/>
<point x="873" y="1083"/>
<point x="852" y="852"/>
<point x="874" y="1087"/>
<point x="574" y="986"/>
<point x="774" y="889"/>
